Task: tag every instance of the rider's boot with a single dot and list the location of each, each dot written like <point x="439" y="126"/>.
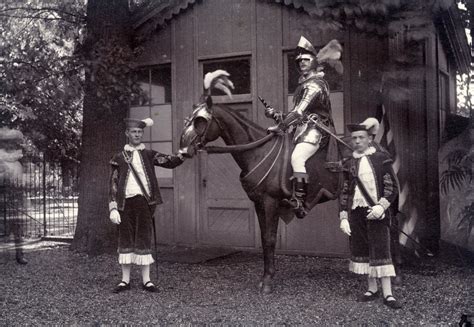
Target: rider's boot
<point x="300" y="187"/>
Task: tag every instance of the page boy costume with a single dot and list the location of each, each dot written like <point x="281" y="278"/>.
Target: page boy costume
<point x="370" y="186"/>
<point x="136" y="200"/>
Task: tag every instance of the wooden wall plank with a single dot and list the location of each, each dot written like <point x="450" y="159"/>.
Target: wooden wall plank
<point x="223" y="26"/>
<point x="269" y="55"/>
<point x="164" y="217"/>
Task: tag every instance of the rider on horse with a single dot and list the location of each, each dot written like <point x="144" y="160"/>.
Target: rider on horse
<point x="311" y="106"/>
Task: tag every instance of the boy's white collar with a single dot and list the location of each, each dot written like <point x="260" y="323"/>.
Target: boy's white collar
<point x="370" y="150"/>
<point x="139" y="147"/>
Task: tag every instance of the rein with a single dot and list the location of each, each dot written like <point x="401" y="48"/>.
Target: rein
<point x="238" y="147"/>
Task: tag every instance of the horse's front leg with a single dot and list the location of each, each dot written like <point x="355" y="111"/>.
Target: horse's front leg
<point x="268" y="221"/>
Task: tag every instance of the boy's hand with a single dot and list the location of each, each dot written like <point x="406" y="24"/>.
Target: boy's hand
<point x="115" y="216"/>
<point x="376" y="212"/>
<point x="346" y="229"/>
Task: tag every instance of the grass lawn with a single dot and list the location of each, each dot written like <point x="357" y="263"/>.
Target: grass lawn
<point x="62" y="287"/>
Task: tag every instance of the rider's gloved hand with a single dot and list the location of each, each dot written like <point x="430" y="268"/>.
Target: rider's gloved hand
<point x="270" y="112"/>
<point x="115" y="216"/>
<point x="376" y="212"/>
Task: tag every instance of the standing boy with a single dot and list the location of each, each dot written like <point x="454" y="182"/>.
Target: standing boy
<point x="368" y="191"/>
<point x="133" y="197"/>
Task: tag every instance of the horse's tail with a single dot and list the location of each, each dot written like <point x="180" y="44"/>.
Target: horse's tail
<point x="218" y="79"/>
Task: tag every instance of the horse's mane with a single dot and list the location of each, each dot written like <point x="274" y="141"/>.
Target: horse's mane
<point x="243" y="121"/>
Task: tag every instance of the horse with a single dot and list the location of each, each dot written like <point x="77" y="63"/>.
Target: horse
<point x="265" y="170"/>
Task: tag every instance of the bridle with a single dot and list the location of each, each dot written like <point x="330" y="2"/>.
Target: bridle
<point x="201" y="112"/>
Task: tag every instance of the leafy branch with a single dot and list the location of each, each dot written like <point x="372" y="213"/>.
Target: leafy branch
<point x="459" y="170"/>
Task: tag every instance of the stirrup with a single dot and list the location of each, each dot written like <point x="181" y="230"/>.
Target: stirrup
<point x="297" y="205"/>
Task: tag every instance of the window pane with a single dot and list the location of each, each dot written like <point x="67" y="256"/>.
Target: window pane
<point x="161" y="84"/>
<point x="141" y="113"/>
<point x="239" y="70"/>
<point x="163" y="124"/>
<point x="333" y="78"/>
<point x="142" y="77"/>
<point x="165" y="148"/>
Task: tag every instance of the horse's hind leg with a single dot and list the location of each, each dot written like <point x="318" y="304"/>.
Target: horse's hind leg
<point x="268" y="221"/>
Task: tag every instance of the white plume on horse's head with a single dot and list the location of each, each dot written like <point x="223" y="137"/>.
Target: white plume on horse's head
<point x="218" y="79"/>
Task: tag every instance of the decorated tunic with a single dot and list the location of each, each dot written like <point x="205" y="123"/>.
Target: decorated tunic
<point x="121" y="174"/>
<point x="370" y="239"/>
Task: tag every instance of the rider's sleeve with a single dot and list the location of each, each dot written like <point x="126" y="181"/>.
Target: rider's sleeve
<point x="113" y="183"/>
<point x="167" y="160"/>
<point x="310" y="91"/>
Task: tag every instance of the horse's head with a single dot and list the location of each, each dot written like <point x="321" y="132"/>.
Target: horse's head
<point x="201" y="126"/>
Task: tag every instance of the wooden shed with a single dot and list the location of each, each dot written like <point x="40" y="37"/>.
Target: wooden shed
<point x="204" y="204"/>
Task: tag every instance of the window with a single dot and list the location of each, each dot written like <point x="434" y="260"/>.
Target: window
<point x="239" y="70"/>
<point x="156" y="83"/>
<point x="335" y="81"/>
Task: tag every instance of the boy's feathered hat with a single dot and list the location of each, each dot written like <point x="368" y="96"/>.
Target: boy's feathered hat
<point x="371" y="125"/>
<point x="137" y="123"/>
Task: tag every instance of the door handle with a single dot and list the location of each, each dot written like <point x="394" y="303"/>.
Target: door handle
<point x="204" y="182"/>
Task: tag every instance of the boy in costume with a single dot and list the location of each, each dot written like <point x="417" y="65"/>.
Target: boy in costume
<point x="133" y="196"/>
<point x="369" y="188"/>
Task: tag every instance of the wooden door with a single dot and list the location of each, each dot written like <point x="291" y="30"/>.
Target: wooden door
<point x="227" y="216"/>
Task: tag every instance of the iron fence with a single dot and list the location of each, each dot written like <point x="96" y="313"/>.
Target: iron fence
<point x="43" y="202"/>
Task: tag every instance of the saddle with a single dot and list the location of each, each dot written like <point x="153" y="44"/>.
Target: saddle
<point x="323" y="169"/>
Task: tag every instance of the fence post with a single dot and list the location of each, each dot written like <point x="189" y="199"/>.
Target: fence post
<point x="44" y="196"/>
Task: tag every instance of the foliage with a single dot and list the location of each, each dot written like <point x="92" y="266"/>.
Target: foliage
<point x="107" y="65"/>
<point x="459" y="170"/>
<point x="41" y="75"/>
<point x="467" y="218"/>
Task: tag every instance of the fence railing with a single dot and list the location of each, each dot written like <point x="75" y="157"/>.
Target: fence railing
<point x="43" y="202"/>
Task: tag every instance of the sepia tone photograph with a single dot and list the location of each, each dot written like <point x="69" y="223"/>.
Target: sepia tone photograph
<point x="236" y="162"/>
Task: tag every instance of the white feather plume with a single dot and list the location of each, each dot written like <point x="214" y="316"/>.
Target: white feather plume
<point x="148" y="122"/>
<point x="371" y="124"/>
<point x="331" y="55"/>
<point x="218" y="79"/>
<point x="331" y="51"/>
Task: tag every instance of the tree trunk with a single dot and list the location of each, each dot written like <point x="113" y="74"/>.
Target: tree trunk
<point x="103" y="131"/>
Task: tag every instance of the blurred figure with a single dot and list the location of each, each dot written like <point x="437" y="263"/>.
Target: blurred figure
<point x="10" y="173"/>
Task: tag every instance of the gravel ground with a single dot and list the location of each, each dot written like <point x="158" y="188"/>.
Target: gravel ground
<point x="62" y="287"/>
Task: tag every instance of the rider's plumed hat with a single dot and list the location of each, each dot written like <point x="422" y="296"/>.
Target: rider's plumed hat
<point x="305" y="49"/>
<point x="330" y="54"/>
<point x="137" y="123"/>
<point x="371" y="125"/>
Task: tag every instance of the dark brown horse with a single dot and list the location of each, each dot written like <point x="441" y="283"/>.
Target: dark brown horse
<point x="264" y="161"/>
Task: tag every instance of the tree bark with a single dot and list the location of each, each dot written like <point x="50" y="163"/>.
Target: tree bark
<point x="103" y="132"/>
